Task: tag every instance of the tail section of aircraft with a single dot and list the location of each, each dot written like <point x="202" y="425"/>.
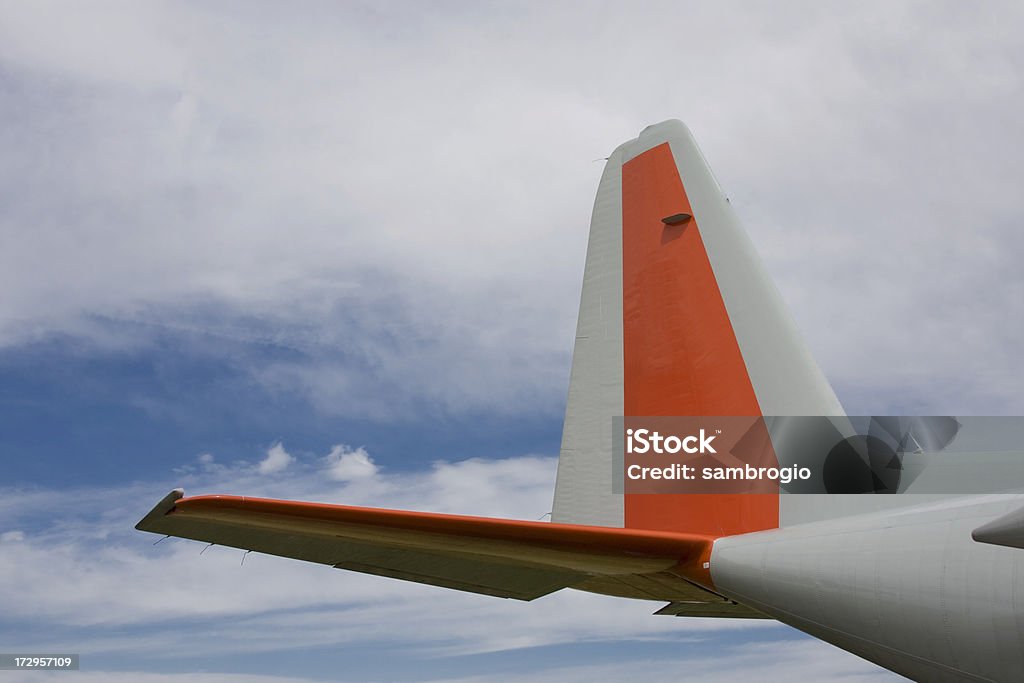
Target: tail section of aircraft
<point x="678" y="316"/>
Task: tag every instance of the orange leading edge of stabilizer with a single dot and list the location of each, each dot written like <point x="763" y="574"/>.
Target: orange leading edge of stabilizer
<point x="589" y="550"/>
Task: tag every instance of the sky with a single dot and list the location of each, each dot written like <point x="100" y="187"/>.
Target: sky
<point x="333" y="252"/>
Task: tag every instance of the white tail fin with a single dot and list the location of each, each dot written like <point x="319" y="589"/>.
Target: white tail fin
<point x="677" y="317"/>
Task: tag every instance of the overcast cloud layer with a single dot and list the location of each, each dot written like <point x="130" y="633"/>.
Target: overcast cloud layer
<point x="408" y="187"/>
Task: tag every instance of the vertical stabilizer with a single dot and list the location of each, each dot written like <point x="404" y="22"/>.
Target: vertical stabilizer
<point x="677" y="317"/>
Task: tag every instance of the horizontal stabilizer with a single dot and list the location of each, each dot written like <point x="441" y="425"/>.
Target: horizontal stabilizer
<point x="1007" y="530"/>
<point x="723" y="609"/>
<point x="505" y="558"/>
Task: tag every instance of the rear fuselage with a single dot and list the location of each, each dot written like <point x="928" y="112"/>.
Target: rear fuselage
<point x="907" y="588"/>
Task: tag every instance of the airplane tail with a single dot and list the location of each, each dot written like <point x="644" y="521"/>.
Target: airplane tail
<point x="678" y="316"/>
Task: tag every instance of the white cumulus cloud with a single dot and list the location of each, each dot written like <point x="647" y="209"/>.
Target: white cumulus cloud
<point x="277" y="459"/>
<point x="345" y="463"/>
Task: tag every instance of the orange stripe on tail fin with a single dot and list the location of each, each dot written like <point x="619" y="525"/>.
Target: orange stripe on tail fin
<point x="678" y="316"/>
<point x="680" y="353"/>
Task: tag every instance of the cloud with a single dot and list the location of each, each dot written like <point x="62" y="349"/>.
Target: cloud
<point x="765" y="661"/>
<point x="347" y="464"/>
<point x="307" y="204"/>
<point x="277" y="459"/>
<point x="772" y="660"/>
<point x="151" y="677"/>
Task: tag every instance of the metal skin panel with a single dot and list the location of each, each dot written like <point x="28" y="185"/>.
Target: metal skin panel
<point x="907" y="589"/>
<point x="583" y="487"/>
<point x="1007" y="530"/>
